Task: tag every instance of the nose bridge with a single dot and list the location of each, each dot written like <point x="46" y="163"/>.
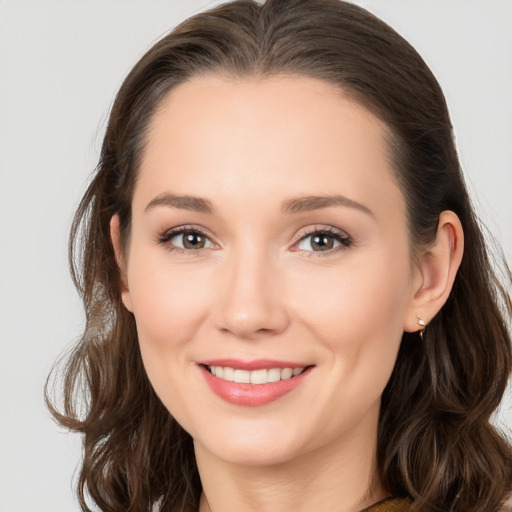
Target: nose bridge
<point x="250" y="302"/>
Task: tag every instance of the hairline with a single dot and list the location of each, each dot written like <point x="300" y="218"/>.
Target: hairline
<point x="391" y="137"/>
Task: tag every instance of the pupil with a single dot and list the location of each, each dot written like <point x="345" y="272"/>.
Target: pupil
<point x="193" y="241"/>
<point x="322" y="242"/>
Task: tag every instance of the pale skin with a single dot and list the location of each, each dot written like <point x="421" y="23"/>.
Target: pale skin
<point x="252" y="153"/>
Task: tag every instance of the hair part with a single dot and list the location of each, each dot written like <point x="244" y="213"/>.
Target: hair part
<point x="436" y="445"/>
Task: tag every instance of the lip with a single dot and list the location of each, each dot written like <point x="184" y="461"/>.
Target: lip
<point x="252" y="394"/>
<point x="256" y="364"/>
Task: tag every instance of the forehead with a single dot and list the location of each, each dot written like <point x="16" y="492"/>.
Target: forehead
<point x="283" y="135"/>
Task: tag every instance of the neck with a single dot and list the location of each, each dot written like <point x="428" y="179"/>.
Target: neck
<point x="339" y="477"/>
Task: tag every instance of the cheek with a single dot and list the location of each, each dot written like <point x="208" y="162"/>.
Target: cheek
<point x="360" y="307"/>
<point x="169" y="304"/>
<point x="169" y="301"/>
<point x="358" y="318"/>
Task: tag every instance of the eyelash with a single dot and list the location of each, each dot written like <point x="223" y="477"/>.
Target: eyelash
<point x="165" y="238"/>
<point x="345" y="241"/>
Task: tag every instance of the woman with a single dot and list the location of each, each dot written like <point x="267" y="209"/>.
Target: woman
<point x="289" y="300"/>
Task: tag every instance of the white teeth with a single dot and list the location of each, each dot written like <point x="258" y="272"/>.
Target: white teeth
<point x="256" y="376"/>
<point x="286" y="373"/>
<point x="274" y="374"/>
<point x="227" y="374"/>
<point x="259" y="377"/>
<point x="242" y="376"/>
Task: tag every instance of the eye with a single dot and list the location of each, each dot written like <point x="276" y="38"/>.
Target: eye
<point x="324" y="240"/>
<point x="186" y="239"/>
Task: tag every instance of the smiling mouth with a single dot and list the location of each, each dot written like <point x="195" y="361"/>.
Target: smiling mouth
<point x="262" y="376"/>
<point x="253" y="383"/>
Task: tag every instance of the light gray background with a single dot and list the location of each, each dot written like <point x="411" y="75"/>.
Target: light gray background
<point x="61" y="62"/>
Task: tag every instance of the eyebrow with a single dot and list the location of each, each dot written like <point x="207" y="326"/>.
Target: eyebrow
<point x="195" y="204"/>
<point x="309" y="203"/>
<point x="291" y="206"/>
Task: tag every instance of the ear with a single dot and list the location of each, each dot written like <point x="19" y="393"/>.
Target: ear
<point x="436" y="272"/>
<point x="115" y="236"/>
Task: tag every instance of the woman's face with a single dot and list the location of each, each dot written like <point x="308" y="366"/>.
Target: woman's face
<point x="268" y="244"/>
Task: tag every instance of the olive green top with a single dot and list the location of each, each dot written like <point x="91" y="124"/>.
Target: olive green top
<point x="389" y="505"/>
<point x="398" y="505"/>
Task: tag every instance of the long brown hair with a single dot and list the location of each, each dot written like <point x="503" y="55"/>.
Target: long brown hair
<point x="436" y="445"/>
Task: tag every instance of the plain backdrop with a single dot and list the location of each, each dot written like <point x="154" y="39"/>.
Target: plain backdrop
<point x="61" y="62"/>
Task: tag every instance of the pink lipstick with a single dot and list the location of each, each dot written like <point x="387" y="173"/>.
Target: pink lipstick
<point x="253" y="383"/>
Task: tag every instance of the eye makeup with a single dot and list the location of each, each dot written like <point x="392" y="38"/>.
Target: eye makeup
<point x="186" y="240"/>
<point x="322" y="241"/>
<point x="317" y="240"/>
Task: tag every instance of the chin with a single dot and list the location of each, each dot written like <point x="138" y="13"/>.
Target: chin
<point x="253" y="445"/>
<point x="256" y="454"/>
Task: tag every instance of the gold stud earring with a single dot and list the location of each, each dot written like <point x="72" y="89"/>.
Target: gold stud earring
<point x="422" y="324"/>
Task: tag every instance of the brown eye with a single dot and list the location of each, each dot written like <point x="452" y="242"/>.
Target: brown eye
<point x="193" y="240"/>
<point x="186" y="239"/>
<point x="324" y="241"/>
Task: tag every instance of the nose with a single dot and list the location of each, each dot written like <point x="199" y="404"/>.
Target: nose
<point x="251" y="302"/>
